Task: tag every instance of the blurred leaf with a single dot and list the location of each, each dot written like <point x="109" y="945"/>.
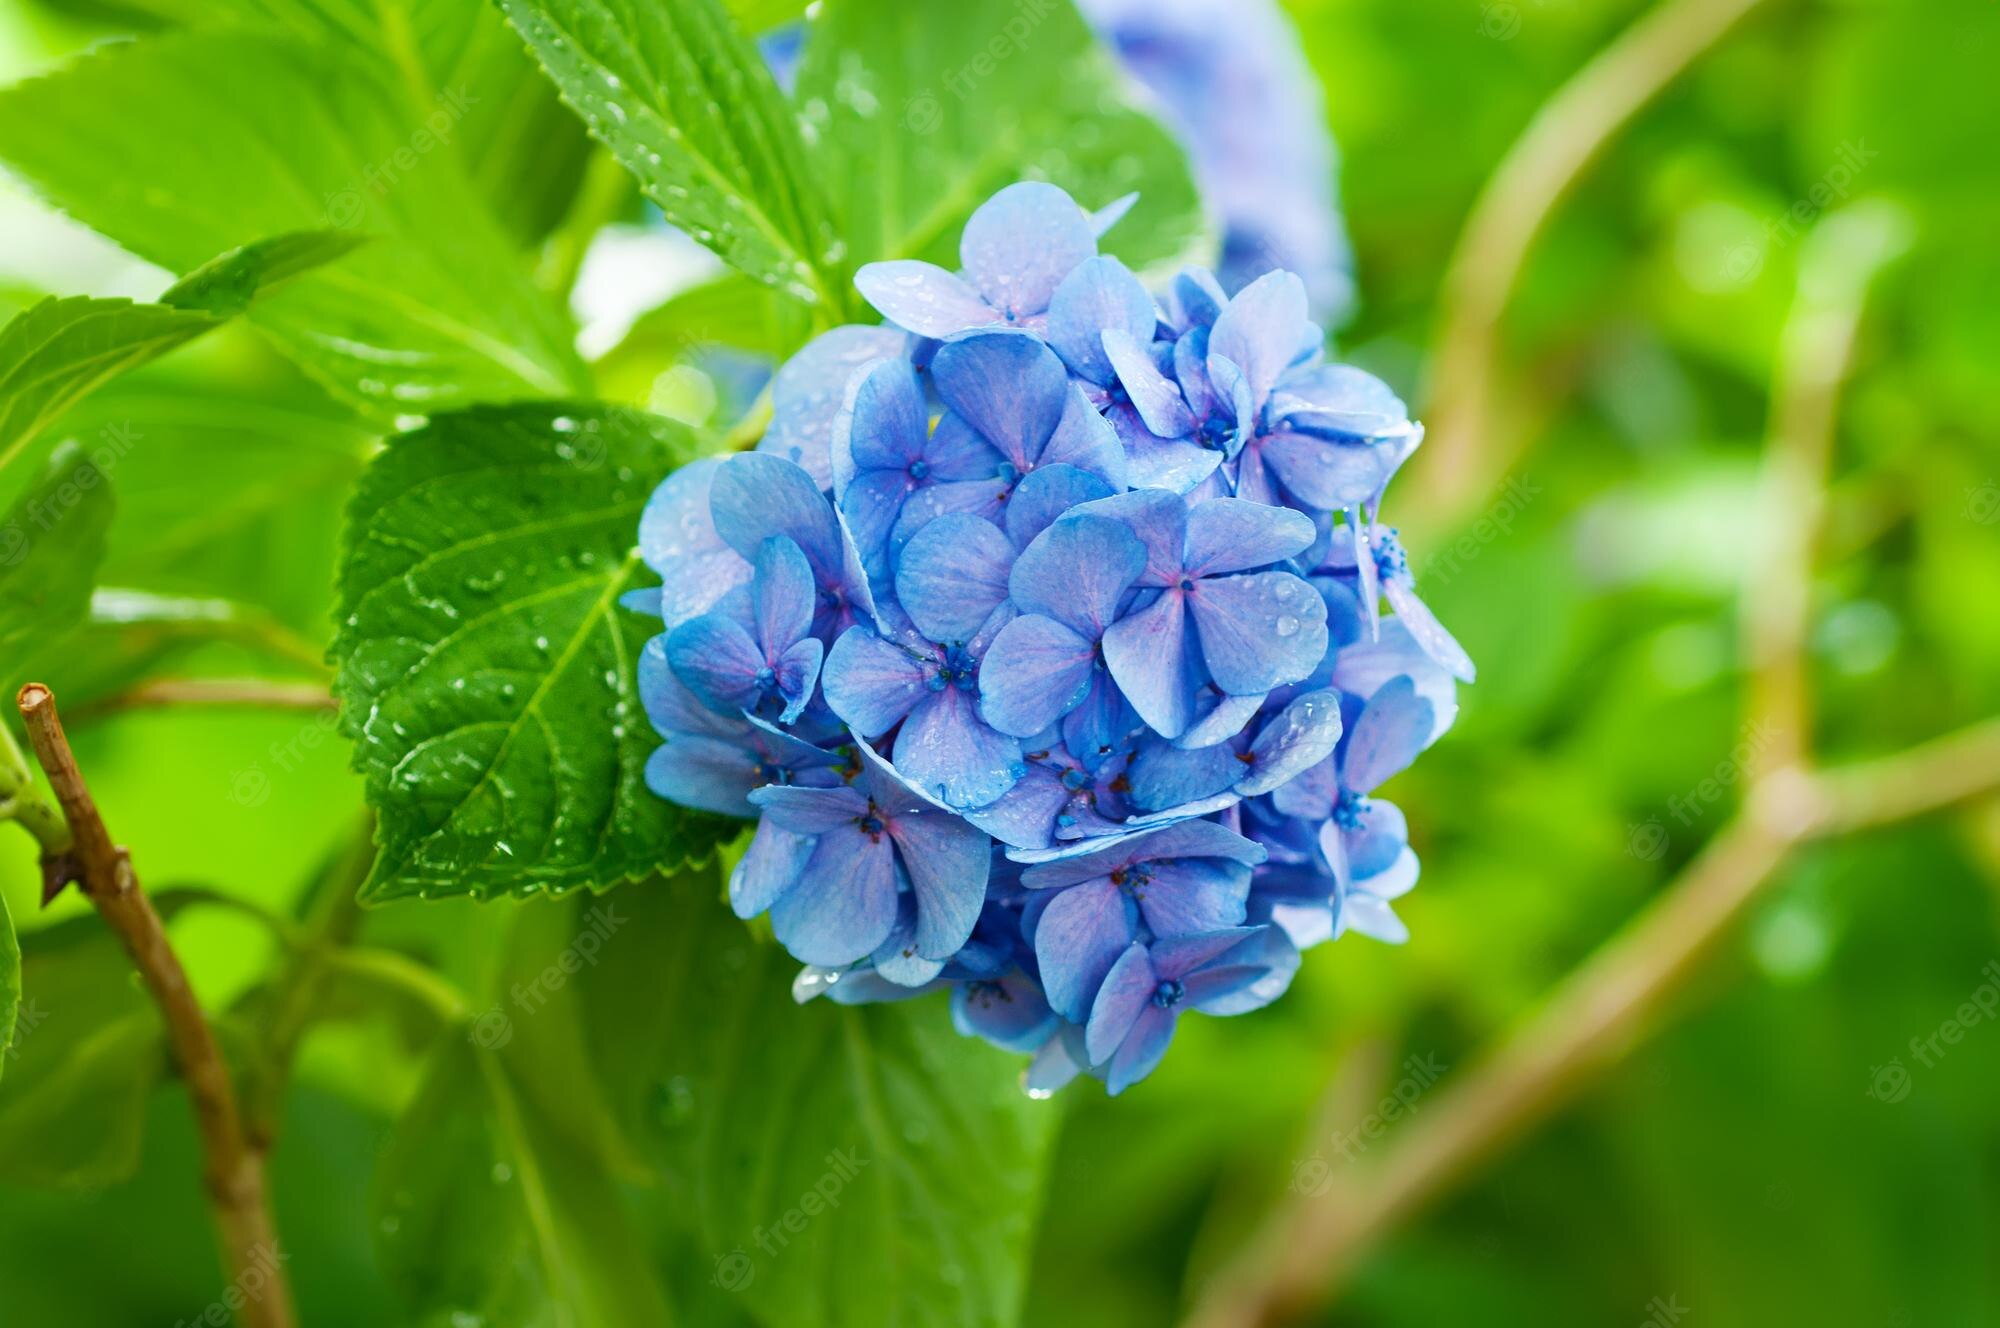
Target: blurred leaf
<point x="488" y="1213"/>
<point x="252" y="135"/>
<point x="87" y="1052"/>
<point x="686" y="103"/>
<point x="919" y="113"/>
<point x="839" y="1165"/>
<point x="225" y="286"/>
<point x="50" y="547"/>
<point x="730" y="311"/>
<point x="487" y="670"/>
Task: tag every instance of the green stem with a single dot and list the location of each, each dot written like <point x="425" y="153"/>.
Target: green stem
<point x="599" y="199"/>
<point x="21" y="800"/>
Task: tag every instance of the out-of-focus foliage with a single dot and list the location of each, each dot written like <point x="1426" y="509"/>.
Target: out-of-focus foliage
<point x="1794" y="1147"/>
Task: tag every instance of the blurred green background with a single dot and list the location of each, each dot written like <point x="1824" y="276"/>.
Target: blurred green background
<point x="1737" y="1165"/>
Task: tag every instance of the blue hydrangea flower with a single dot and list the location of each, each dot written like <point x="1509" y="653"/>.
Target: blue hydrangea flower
<point x="1043" y="637"/>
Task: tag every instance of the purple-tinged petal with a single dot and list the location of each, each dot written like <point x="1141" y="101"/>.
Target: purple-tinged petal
<point x="1260" y="331"/>
<point x="1194" y="894"/>
<point x="1152" y="394"/>
<point x="1155" y="658"/>
<point x="1199" y="296"/>
<point x="1363" y="668"/>
<point x="1034" y="673"/>
<point x="1081" y="933"/>
<point x="1249" y="976"/>
<point x="1143" y="1049"/>
<point x="807" y="392"/>
<point x="1310" y="795"/>
<point x="952" y="575"/>
<point x="1299" y="737"/>
<point x="755" y="496"/>
<point x="809" y="811"/>
<point x="1045" y="493"/>
<point x="795" y="673"/>
<point x="947" y="862"/>
<point x="1019" y="244"/>
<point x="678" y="540"/>
<point x="1392" y="729"/>
<point x="843" y="905"/>
<point x="671" y="707"/>
<point x="1077" y="571"/>
<point x="769" y="867"/>
<point x="1235" y="535"/>
<point x="1008" y="386"/>
<point x="923" y="297"/>
<point x="1175" y="465"/>
<point x="1160" y="521"/>
<point x="947" y="750"/>
<point x="1327" y="474"/>
<point x="718" y="661"/>
<point x="1258" y="629"/>
<point x="872" y="683"/>
<point x="782" y="596"/>
<point x="871" y="504"/>
<point x="1164" y="776"/>
<point x="1127" y="990"/>
<point x="1177" y="956"/>
<point x="1099" y="295"/>
<point x="1191" y="372"/>
<point x="957" y="452"/>
<point x="1025" y="815"/>
<point x="1220" y="717"/>
<point x="1427" y="631"/>
<point x="985" y="499"/>
<point x="1085" y="439"/>
<point x="696" y="770"/>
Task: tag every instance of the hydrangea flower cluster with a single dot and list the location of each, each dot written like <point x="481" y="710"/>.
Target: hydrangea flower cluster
<point x="1042" y="636"/>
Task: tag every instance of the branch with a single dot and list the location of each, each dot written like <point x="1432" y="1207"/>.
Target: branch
<point x="1565" y="136"/>
<point x="233" y="1173"/>
<point x="256" y="693"/>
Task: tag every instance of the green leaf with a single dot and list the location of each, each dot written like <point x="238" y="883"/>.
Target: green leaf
<point x="919" y="113"/>
<point x="686" y="103"/>
<point x="87" y="1052"/>
<point x="56" y="353"/>
<point x="730" y="311"/>
<point x="486" y="666"/>
<point x="51" y="544"/>
<point x="837" y="1165"/>
<point x="252" y="135"/>
<point x="10" y="982"/>
<point x="487" y="1213"/>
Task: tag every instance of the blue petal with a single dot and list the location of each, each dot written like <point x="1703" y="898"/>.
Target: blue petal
<point x="1045" y="493"/>
<point x="1143" y="1049"/>
<point x="1195" y="894"/>
<point x="1020" y="243"/>
<point x="671" y="706"/>
<point x="1034" y="673"/>
<point x="882" y="425"/>
<point x="923" y="297"/>
<point x="1258" y="629"/>
<point x="1024" y="816"/>
<point x="948" y="751"/>
<point x="1363" y="668"/>
<point x="795" y="673"/>
<point x="1011" y="1013"/>
<point x="1156" y="399"/>
<point x="1159" y="520"/>
<point x="1127" y="991"/>
<point x="1077" y="571"/>
<point x="717" y="660"/>
<point x="1164" y="776"/>
<point x="755" y="496"/>
<point x="810" y="811"/>
<point x="947" y="862"/>
<point x="1301" y="736"/>
<point x="1235" y="535"/>
<point x="952" y="575"/>
<point x="1111" y="213"/>
<point x="871" y="504"/>
<point x="782" y="596"/>
<point x="843" y="905"/>
<point x="1249" y="976"/>
<point x="769" y="867"/>
<point x="1393" y="728"/>
<point x="807" y="393"/>
<point x="896" y="959"/>
<point x="1220" y="717"/>
<point x="1099" y="296"/>
<point x="1153" y="656"/>
<point x="1008" y="386"/>
<point x="1081" y="933"/>
<point x="1178" y="956"/>
<point x="696" y="770"/>
<point x="678" y="540"/>
<point x="1326" y="474"/>
<point x="1427" y="631"/>
<point x="1085" y="439"/>
<point x="1260" y="331"/>
<point x="872" y="683"/>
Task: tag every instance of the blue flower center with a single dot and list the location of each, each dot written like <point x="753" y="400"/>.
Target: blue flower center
<point x="1348" y="809"/>
<point x="1216" y="431"/>
<point x="1133" y="879"/>
<point x="1005" y="472"/>
<point x="957" y="667"/>
<point x="986" y="994"/>
<point x="1187" y="583"/>
<point x="870" y="823"/>
<point x="919" y="468"/>
<point x="1168" y="994"/>
<point x="1390" y="560"/>
<point x="767" y="678"/>
<point x="1074" y="779"/>
<point x="769" y="772"/>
